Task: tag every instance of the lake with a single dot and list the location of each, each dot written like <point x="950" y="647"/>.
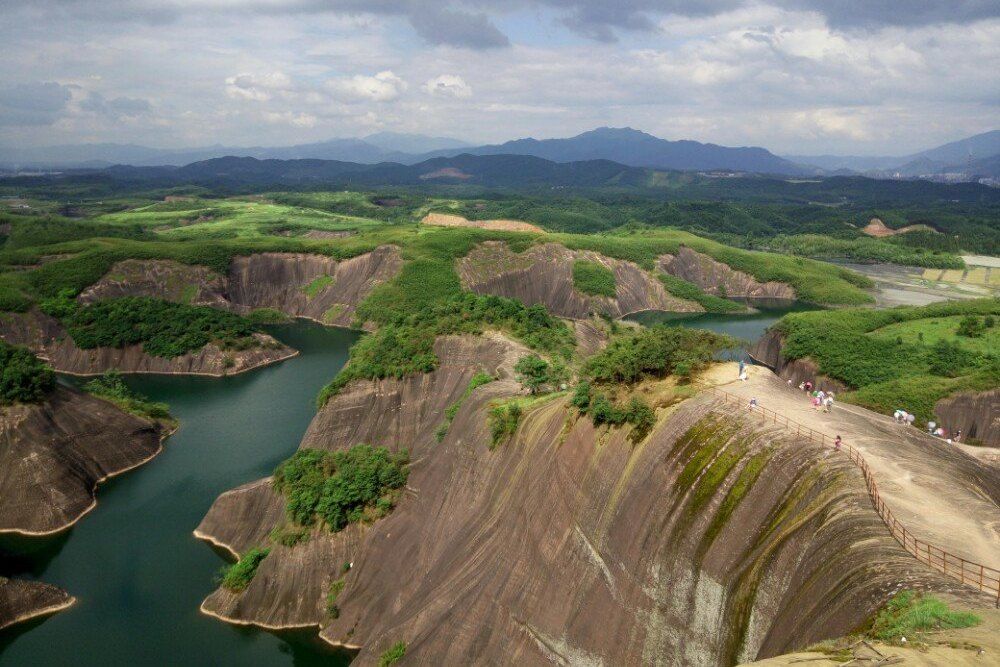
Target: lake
<point x="138" y="573"/>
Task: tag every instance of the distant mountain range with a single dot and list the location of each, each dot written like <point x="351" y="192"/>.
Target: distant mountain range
<point x="953" y="157"/>
<point x="624" y="146"/>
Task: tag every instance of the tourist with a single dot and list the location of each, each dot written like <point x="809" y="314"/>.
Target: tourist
<point x="958" y="435"/>
<point x="743" y="375"/>
<point x="930" y="427"/>
<point x="809" y="387"/>
<point x="802" y="386"/>
<point x="753" y="403"/>
<point x="899" y="416"/>
<point x="836" y="443"/>
<point x="910" y="419"/>
<point x="828" y="404"/>
<point x="740" y="374"/>
<point x="816" y="402"/>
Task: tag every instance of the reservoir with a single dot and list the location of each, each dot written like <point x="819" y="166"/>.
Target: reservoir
<point x="138" y="573"/>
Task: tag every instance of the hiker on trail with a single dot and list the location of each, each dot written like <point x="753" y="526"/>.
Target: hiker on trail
<point x="743" y="375"/>
<point x="741" y="369"/>
<point x="828" y="403"/>
<point x="816" y="402"/>
<point x="899" y="416"/>
<point x="930" y="427"/>
<point x="809" y="387"/>
<point x="910" y="419"/>
<point x="802" y="386"/>
<point x="753" y="403"/>
<point x="958" y="435"/>
<point x="820" y="395"/>
<point x="939" y="432"/>
<point x="836" y="443"/>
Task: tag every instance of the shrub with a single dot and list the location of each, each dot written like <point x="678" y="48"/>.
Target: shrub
<point x="332" y="610"/>
<point x="655" y="351"/>
<point x="267" y="316"/>
<point x="641" y="416"/>
<point x="111" y="387"/>
<point x="164" y="329"/>
<point x="341" y="487"/>
<point x="392" y="655"/>
<point x="503" y="421"/>
<point x="593" y="278"/>
<point x="581" y="396"/>
<point x="910" y="615"/>
<point x="24" y="378"/>
<point x="238" y="576"/>
<point x="948" y="359"/>
<point x="289" y="535"/>
<point x="683" y="289"/>
<point x="970" y="327"/>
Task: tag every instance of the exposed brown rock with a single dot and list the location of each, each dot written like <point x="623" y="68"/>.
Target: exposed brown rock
<point x="327" y="234"/>
<point x="282" y="280"/>
<point x="977" y="415"/>
<point x="878" y="229"/>
<point x="544" y="274"/>
<point x="46" y="338"/>
<point x="54" y="454"/>
<point x="446" y="220"/>
<point x="714" y="276"/>
<point x="768" y="351"/>
<point x="569" y="544"/>
<point x="162" y="279"/>
<point x="24" y="600"/>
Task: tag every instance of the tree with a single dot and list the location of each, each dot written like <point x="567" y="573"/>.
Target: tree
<point x="23" y="377"/>
<point x="533" y="372"/>
<point x="970" y="327"/>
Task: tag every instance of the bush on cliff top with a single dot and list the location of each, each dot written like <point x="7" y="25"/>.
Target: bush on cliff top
<point x="111" y="387"/>
<point x="237" y="577"/>
<point x="164" y="329"/>
<point x="342" y="487"/>
<point x="655" y="351"/>
<point x="593" y="278"/>
<point x="24" y="378"/>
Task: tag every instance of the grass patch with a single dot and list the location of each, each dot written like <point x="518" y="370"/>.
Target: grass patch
<point x="503" y="419"/>
<point x="683" y="289"/>
<point x="261" y="316"/>
<point x="317" y="286"/>
<point x="912" y="615"/>
<point x="238" y="576"/>
<point x="111" y="387"/>
<point x="392" y="655"/>
<point x="478" y="380"/>
<point x="593" y="278"/>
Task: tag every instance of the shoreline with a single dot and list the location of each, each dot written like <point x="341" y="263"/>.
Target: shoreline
<point x="262" y="364"/>
<point x="93" y="494"/>
<point x="39" y="613"/>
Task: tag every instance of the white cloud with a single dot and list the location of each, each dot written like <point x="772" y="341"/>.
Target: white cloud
<point x="256" y="87"/>
<point x="290" y="118"/>
<point x="448" y="85"/>
<point x="382" y="87"/>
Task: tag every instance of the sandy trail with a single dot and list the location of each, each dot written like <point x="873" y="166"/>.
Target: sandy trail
<point x="937" y="491"/>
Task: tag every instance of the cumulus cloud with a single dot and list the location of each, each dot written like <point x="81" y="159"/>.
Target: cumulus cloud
<point x="448" y="85"/>
<point x="116" y="107"/>
<point x="381" y="87"/>
<point x="290" y="118"/>
<point x="28" y="104"/>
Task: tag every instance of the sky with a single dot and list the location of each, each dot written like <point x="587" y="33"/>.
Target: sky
<point x="864" y="77"/>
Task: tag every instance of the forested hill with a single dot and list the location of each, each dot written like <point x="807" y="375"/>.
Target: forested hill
<point x="518" y="172"/>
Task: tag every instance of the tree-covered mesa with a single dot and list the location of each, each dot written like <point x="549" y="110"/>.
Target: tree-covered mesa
<point x="163" y="328"/>
<point x="593" y="278"/>
<point x="405" y="344"/>
<point x="901" y="358"/>
<point x="656" y="351"/>
<point x="24" y="378"/>
<point x="337" y="488"/>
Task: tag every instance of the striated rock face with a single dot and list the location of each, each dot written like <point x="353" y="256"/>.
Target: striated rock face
<point x="768" y="351"/>
<point x="54" y="454"/>
<point x="23" y="600"/>
<point x="711" y="275"/>
<point x="46" y="337"/>
<point x="714" y="540"/>
<point x="544" y="274"/>
<point x="163" y="279"/>
<point x="313" y="286"/>
<point x="976" y="414"/>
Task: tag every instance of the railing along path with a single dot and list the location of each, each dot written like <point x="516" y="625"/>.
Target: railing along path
<point x="985" y="578"/>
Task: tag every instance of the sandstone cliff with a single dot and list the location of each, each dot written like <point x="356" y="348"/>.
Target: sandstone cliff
<point x="768" y="351"/>
<point x="715" y="539"/>
<point x="312" y="286"/>
<point x="54" y="454"/>
<point x="24" y="600"/>
<point x="544" y="274"/>
<point x="976" y="414"/>
<point x="46" y="338"/>
<point x="718" y="278"/>
<point x="162" y="279"/>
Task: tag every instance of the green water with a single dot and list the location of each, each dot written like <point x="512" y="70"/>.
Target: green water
<point x="138" y="573"/>
<point x="748" y="327"/>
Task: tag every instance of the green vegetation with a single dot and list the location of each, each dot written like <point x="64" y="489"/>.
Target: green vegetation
<point x="392" y="655"/>
<point x="164" y="329"/>
<point x="405" y="345"/>
<point x="261" y="316"/>
<point x="863" y="249"/>
<point x="655" y="352"/>
<point x="602" y="410"/>
<point x="683" y="289"/>
<point x="111" y="387"/>
<point x="317" y="286"/>
<point x="503" y="419"/>
<point x="900" y="358"/>
<point x="478" y="380"/>
<point x="971" y="331"/>
<point x="24" y="378"/>
<point x="342" y="487"/>
<point x="593" y="278"/>
<point x="537" y="374"/>
<point x="238" y="576"/>
<point x="912" y="615"/>
<point x="289" y="535"/>
<point x="332" y="610"/>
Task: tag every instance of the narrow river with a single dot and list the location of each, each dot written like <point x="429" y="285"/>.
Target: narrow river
<point x="138" y="573"/>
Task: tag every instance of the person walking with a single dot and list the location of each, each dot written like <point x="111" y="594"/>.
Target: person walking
<point x="837" y="443"/>
<point x="740" y="375"/>
<point x="753" y="403"/>
<point x="828" y="404"/>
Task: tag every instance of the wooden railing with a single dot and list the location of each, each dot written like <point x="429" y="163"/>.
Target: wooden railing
<point x="986" y="579"/>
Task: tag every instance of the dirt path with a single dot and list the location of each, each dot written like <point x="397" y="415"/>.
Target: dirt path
<point x="937" y="491"/>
